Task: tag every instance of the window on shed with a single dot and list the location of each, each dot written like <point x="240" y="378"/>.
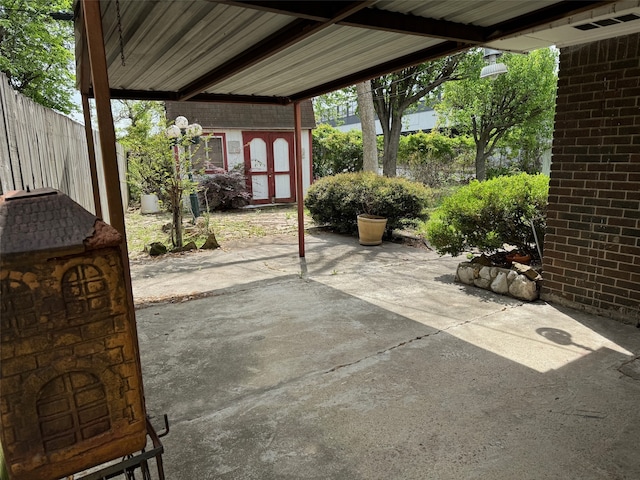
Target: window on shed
<point x="208" y="154"/>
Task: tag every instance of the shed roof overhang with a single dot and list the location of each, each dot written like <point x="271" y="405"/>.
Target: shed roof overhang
<point x="281" y="51"/>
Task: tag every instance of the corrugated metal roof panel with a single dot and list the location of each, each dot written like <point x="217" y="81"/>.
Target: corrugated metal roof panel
<point x="170" y="45"/>
<point x="472" y="12"/>
<point x="289" y="50"/>
<point x="332" y="54"/>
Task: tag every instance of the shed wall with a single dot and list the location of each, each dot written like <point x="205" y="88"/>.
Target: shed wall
<point x="592" y="246"/>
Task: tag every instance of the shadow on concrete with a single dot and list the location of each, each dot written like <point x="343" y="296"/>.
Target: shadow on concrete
<point x="333" y="377"/>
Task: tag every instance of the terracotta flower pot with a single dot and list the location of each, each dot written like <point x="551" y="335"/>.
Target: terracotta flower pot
<point x="519" y="258"/>
<point x="371" y="229"/>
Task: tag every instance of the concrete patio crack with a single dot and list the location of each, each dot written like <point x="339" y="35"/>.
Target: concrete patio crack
<point x="415" y="339"/>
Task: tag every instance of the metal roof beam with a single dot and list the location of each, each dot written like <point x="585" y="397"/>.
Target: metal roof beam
<point x="164" y="96"/>
<point x="431" y="53"/>
<point x="375" y="19"/>
<point x="371" y="18"/>
<point x="293" y="33"/>
<point x="317" y="11"/>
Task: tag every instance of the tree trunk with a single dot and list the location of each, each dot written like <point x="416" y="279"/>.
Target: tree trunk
<point x="368" y="121"/>
<point x="176" y="210"/>
<point x="481" y="163"/>
<point x="391" y="144"/>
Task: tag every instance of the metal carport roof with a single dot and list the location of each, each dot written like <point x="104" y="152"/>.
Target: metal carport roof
<point x="285" y="51"/>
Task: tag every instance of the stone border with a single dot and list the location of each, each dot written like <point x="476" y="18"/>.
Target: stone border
<point x="520" y="281"/>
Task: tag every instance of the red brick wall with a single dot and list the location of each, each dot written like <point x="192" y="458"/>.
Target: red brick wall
<point x="592" y="246"/>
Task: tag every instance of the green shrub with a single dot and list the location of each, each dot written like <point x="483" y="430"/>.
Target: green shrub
<point x="436" y="159"/>
<point x="335" y="151"/>
<point x="338" y="200"/>
<point x="489" y="214"/>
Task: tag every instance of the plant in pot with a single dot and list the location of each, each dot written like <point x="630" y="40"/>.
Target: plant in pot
<point x="339" y="200"/>
<point x="371" y="223"/>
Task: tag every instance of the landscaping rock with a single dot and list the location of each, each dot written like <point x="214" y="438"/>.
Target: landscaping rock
<point x="519" y="282"/>
<point x="211" y="243"/>
<point x="499" y="284"/>
<point x="526" y="270"/>
<point x="484" y="278"/>
<point x="523" y="288"/>
<point x="156" y="248"/>
<point x="466" y="273"/>
<point x="185" y="248"/>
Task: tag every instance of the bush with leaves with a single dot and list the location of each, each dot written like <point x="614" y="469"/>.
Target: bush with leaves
<point x="335" y="151"/>
<point x="222" y="190"/>
<point x="339" y="199"/>
<point x="436" y="159"/>
<point x="487" y="215"/>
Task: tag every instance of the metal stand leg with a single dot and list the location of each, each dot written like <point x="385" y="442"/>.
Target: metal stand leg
<point x="129" y="464"/>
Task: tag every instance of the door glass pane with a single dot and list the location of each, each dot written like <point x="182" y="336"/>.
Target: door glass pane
<point x="260" y="187"/>
<point x="280" y="155"/>
<point x="283" y="186"/>
<point x="258" y="151"/>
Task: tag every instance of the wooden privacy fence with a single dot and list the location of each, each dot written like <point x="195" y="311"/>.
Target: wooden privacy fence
<point x="41" y="148"/>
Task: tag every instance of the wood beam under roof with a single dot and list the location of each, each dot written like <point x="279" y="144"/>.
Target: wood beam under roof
<point x="100" y="79"/>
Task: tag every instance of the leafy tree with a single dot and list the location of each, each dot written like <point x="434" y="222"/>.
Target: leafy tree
<point x="332" y="106"/>
<point x="490" y="109"/>
<point x="152" y="163"/>
<point x="35" y="51"/>
<point x="395" y="93"/>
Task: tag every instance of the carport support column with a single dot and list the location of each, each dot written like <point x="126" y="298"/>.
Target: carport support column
<point x="100" y="78"/>
<point x="88" y="130"/>
<point x="299" y="190"/>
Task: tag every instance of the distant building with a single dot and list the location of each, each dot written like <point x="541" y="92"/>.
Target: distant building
<point x="257" y="137"/>
<point x="422" y="119"/>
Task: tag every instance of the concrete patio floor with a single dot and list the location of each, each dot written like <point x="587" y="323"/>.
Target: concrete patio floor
<point x="371" y="363"/>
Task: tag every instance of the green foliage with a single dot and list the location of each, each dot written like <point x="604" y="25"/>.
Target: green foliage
<point x="222" y="190"/>
<point x="150" y="160"/>
<point x="155" y="163"/>
<point x="399" y="92"/>
<point x="333" y="106"/>
<point x="490" y="109"/>
<point x="36" y="51"/>
<point x="436" y="159"/>
<point x="489" y="214"/>
<point x="335" y="151"/>
<point x="338" y="200"/>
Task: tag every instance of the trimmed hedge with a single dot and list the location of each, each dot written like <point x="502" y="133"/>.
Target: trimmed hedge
<point x="487" y="215"/>
<point x="339" y="199"/>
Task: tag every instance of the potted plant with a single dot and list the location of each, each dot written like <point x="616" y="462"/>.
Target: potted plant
<point x="371" y="225"/>
<point x="371" y="228"/>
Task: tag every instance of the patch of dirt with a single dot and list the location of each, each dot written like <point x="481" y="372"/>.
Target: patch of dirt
<point x="233" y="227"/>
